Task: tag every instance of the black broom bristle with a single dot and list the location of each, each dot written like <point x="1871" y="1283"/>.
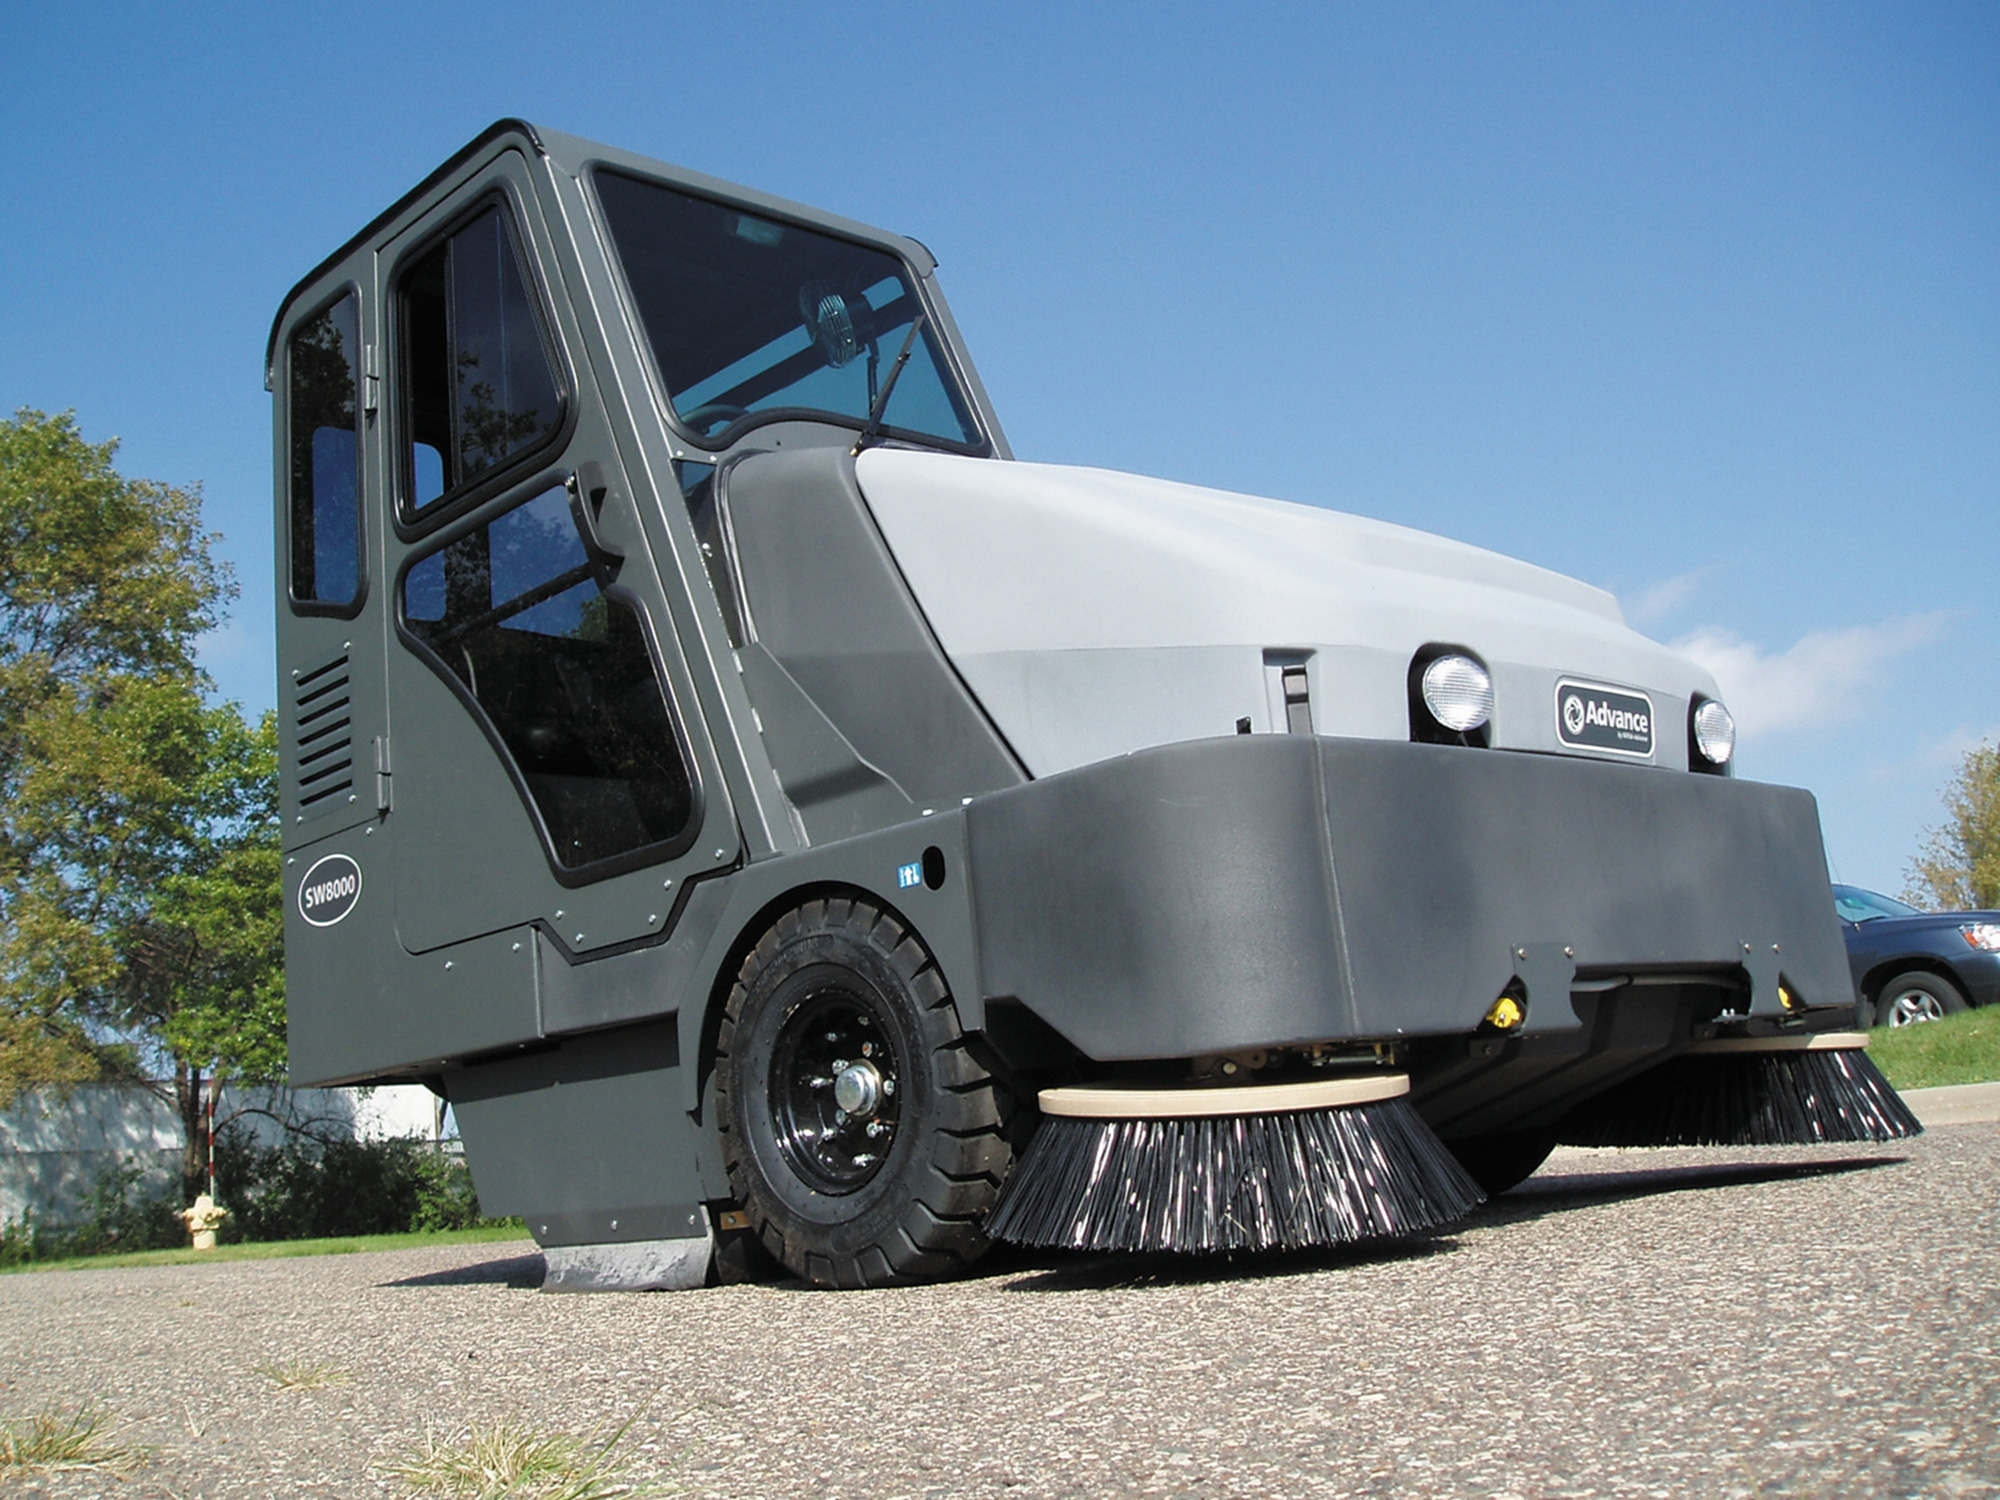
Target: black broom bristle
<point x="1232" y="1182"/>
<point x="1747" y="1099"/>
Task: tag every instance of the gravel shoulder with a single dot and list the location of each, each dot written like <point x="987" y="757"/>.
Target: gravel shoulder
<point x="1729" y="1323"/>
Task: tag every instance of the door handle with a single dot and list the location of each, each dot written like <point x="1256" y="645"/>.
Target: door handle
<point x="587" y="492"/>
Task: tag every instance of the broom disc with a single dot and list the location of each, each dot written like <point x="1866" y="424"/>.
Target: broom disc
<point x="1279" y="1166"/>
<point x="1750" y="1091"/>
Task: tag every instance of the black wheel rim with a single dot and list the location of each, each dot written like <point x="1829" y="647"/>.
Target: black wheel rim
<point x="836" y="1088"/>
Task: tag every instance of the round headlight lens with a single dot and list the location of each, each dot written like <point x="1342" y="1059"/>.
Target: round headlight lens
<point x="1714" y="733"/>
<point x="1458" y="692"/>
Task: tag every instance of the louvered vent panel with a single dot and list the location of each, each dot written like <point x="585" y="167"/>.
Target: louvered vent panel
<point x="323" y="734"/>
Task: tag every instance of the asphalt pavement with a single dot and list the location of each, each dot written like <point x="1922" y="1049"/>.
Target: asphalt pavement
<point x="1715" y="1322"/>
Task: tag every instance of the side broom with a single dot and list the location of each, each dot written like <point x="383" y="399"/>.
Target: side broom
<point x="1272" y="1166"/>
<point x="1750" y="1091"/>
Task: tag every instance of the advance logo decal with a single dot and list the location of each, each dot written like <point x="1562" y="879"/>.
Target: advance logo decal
<point x="330" y="889"/>
<point x="1601" y="718"/>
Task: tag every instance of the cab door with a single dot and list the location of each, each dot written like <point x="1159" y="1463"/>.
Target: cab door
<point x="544" y="764"/>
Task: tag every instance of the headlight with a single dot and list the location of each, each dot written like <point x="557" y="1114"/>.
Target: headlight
<point x="1984" y="936"/>
<point x="1458" y="692"/>
<point x="1714" y="733"/>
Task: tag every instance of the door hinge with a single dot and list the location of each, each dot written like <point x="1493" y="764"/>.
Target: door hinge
<point x="371" y="378"/>
<point x="382" y="770"/>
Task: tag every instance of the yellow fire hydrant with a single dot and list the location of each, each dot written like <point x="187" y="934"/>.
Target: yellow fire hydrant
<point x="203" y="1220"/>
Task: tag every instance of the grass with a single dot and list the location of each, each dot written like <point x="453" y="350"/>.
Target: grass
<point x="49" y="1441"/>
<point x="517" y="1462"/>
<point x="297" y="1375"/>
<point x="1964" y="1048"/>
<point x="281" y="1249"/>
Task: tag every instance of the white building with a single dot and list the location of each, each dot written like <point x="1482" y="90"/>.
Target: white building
<point x="55" y="1149"/>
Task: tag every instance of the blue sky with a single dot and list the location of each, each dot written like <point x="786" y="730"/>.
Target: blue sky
<point x="1699" y="303"/>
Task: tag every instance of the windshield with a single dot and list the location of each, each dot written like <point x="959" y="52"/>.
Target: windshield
<point x="748" y="315"/>
<point x="1856" y="905"/>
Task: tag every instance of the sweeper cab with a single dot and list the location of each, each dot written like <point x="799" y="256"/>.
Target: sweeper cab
<point x="778" y="820"/>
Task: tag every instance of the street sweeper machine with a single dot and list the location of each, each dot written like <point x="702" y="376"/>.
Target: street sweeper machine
<point x="779" y="821"/>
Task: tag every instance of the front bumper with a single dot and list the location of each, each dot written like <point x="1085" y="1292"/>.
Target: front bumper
<point x="1256" y="891"/>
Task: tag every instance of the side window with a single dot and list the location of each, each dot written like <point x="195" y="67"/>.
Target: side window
<point x="478" y="388"/>
<point x="516" y="613"/>
<point x="325" y="443"/>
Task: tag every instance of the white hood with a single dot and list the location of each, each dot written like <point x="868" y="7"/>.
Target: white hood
<point x="1096" y="613"/>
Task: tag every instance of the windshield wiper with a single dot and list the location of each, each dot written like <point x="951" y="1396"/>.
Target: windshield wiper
<point x="882" y="400"/>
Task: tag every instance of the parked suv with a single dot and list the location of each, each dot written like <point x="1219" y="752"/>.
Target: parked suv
<point x="1912" y="965"/>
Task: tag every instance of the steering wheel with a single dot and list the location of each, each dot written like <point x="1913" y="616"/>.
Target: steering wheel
<point x="705" y="419"/>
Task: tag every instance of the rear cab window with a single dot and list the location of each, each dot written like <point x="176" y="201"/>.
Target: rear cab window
<point x="324" y="437"/>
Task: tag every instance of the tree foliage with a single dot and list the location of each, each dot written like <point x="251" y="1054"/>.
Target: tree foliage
<point x="139" y="867"/>
<point x="1959" y="868"/>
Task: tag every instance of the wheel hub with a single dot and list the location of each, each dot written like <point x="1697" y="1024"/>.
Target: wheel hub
<point x="857" y="1090"/>
<point x="833" y="1085"/>
<point x="1913" y="1007"/>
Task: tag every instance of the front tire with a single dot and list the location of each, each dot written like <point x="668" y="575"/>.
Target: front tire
<point x="861" y="1135"/>
<point x="1910" y="999"/>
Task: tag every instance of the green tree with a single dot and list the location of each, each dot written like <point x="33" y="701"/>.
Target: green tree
<point x="139" y="868"/>
<point x="1959" y="868"/>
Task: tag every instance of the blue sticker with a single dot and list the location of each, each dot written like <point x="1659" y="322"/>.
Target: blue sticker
<point x="909" y="875"/>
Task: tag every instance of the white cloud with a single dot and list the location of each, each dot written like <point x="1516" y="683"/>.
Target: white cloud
<point x="1823" y="678"/>
<point x="1656" y="601"/>
<point x="1938" y="758"/>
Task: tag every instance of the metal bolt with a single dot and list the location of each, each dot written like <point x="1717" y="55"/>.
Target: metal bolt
<point x="517" y="947"/>
<point x="888" y="1085"/>
<point x="667" y="884"/>
<point x="876" y="1130"/>
<point x="1569" y="953"/>
<point x="559" y="916"/>
<point x="579" y="937"/>
<point x="840" y="1117"/>
<point x="652" y="917"/>
<point x="447" y="963"/>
